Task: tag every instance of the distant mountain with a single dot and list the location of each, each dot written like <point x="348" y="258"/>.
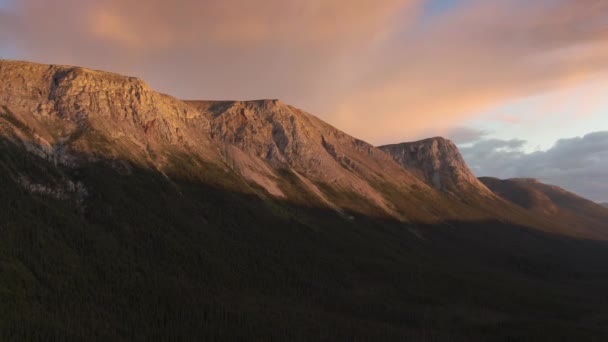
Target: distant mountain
<point x="127" y="214"/>
<point x="604" y="204"/>
<point x="438" y="162"/>
<point x="564" y="209"/>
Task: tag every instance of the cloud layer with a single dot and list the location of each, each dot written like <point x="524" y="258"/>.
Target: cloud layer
<point x="383" y="70"/>
<point x="577" y="164"/>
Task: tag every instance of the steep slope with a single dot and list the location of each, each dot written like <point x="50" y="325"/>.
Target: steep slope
<point x="267" y="138"/>
<point x="70" y="105"/>
<point x="438" y="162"/>
<point x="74" y="115"/>
<point x="553" y="204"/>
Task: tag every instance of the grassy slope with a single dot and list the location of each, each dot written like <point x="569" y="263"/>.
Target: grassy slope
<point x="153" y="259"/>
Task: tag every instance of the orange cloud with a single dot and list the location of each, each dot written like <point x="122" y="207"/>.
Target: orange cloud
<point x="481" y="55"/>
<point x="379" y="69"/>
<point x="113" y="27"/>
<point x="241" y="21"/>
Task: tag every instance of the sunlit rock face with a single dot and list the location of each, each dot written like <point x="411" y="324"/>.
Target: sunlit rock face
<point x="263" y="137"/>
<point x="73" y="116"/>
<point x="74" y="109"/>
<point x="439" y="162"/>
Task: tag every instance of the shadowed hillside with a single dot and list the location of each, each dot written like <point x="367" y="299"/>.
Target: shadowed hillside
<point x="147" y="257"/>
<point x="567" y="211"/>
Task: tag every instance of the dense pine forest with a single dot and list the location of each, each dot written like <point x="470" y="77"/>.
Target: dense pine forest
<point x="150" y="257"/>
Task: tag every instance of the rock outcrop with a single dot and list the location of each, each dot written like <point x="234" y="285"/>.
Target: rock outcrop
<point x="438" y="162"/>
<point x="271" y="137"/>
<point x="64" y="108"/>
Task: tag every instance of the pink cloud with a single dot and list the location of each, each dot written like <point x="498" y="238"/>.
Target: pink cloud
<point x="370" y="67"/>
<point x="511" y="119"/>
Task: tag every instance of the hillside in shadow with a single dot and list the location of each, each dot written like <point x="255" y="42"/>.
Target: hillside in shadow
<point x="126" y="253"/>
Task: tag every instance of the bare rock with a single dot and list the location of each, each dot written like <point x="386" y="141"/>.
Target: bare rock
<point x="438" y="162"/>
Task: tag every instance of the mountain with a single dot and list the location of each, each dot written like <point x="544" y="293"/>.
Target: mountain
<point x="72" y="114"/>
<point x="438" y="162"/>
<point x="604" y="204"/>
<point x="266" y="140"/>
<point x="564" y="209"/>
<point x="126" y="214"/>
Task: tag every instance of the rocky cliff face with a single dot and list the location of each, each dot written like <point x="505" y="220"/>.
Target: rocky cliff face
<point x="263" y="138"/>
<point x="60" y="109"/>
<point x="73" y="115"/>
<point x="438" y="162"/>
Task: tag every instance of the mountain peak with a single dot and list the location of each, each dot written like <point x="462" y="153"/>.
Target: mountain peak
<point x="92" y="111"/>
<point x="438" y="139"/>
<point x="437" y="161"/>
<point x="77" y="93"/>
<point x="62" y="72"/>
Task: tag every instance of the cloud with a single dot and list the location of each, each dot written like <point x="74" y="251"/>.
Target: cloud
<point x="510" y="119"/>
<point x="307" y="52"/>
<point x="578" y="164"/>
<point x="382" y="70"/>
<point x="477" y="56"/>
<point x="239" y="21"/>
<point x="129" y="27"/>
<point x="465" y="135"/>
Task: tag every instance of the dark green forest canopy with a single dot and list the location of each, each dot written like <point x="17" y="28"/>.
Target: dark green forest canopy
<point x="146" y="257"/>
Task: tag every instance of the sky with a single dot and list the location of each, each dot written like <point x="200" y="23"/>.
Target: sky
<point x="525" y="78"/>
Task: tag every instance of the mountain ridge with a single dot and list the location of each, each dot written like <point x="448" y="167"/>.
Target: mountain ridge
<point x="76" y="115"/>
<point x="122" y="118"/>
